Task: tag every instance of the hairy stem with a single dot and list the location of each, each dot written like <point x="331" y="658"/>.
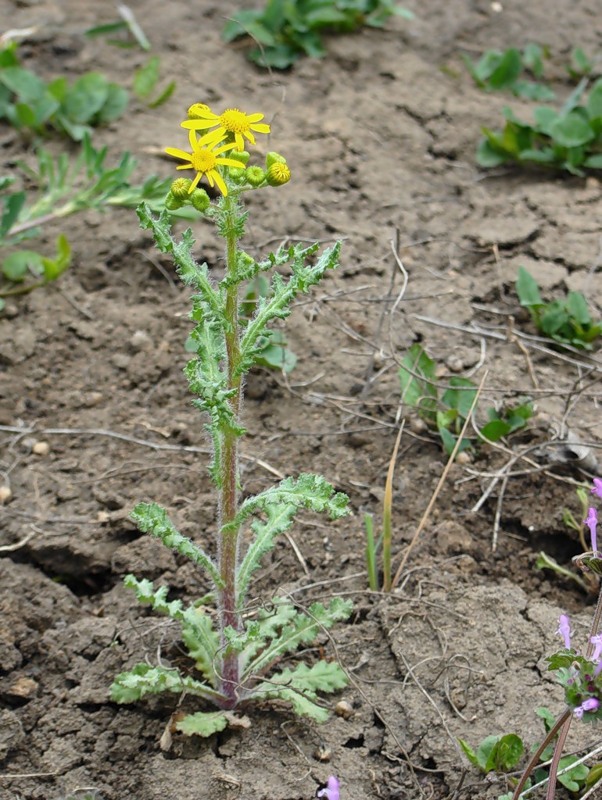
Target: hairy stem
<point x="229" y="535"/>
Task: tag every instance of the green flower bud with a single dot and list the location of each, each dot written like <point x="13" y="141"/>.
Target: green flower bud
<point x="196" y="111"/>
<point x="200" y="200"/>
<point x="274" y="158"/>
<point x="278" y="174"/>
<point x="179" y="188"/>
<point x="235" y="174"/>
<point x="172" y="203"/>
<point x="255" y="176"/>
<point x="240" y="155"/>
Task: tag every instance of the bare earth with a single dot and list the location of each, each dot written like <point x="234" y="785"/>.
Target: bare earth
<point x="380" y="136"/>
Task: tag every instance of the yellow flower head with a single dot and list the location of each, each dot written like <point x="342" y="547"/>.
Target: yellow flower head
<point x="232" y="123"/>
<point x="205" y="159"/>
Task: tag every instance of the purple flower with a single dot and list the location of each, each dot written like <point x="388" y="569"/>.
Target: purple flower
<point x="591" y="521"/>
<point x="564" y="629"/>
<point x="597" y="487"/>
<point x="578" y="712"/>
<point x="597" y="641"/>
<point x="591" y="704"/>
<point x="331" y="792"/>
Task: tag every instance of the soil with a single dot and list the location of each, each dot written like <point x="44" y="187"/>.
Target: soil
<point x="380" y="136"/>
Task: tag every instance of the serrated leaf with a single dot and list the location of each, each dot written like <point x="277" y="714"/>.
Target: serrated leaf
<point x="144" y="679"/>
<point x="152" y="518"/>
<point x="202" y="642"/>
<point x="203" y="723"/>
<point x="302" y="629"/>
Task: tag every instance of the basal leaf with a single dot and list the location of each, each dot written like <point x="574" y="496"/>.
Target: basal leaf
<point x="571" y="130"/>
<point x="203" y="723"/>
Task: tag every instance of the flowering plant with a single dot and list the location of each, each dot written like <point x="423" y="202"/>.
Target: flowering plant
<point x="234" y="648"/>
<point x="580" y="675"/>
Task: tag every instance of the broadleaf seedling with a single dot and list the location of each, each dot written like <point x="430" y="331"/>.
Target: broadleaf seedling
<point x="502" y="71"/>
<point x="284" y="31"/>
<point x="566" y="320"/>
<point x="446" y="409"/>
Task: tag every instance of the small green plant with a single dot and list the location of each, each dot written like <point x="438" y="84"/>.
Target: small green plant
<point x="568" y="139"/>
<point x="284" y="31"/>
<point x="495" y="753"/>
<point x="64" y="186"/>
<point x="145" y="82"/>
<point x="581" y="64"/>
<point x="29" y="103"/>
<point x="445" y="411"/>
<point x="234" y="650"/>
<point x="502" y="71"/>
<point x="566" y="321"/>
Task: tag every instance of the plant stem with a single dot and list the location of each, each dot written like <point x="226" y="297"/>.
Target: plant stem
<point x="228" y="501"/>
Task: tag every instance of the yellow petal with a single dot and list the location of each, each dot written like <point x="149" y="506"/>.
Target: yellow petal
<point x="250" y="137"/>
<point x="195" y="182"/>
<point x="254" y="117"/>
<point x="229" y="162"/>
<point x="199" y="124"/>
<point x="260" y="128"/>
<point x="185" y="166"/>
<point x="219" y="180"/>
<point x="174" y="151"/>
<point x="223" y="148"/>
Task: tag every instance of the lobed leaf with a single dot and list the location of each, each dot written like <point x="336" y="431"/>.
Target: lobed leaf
<point x="143" y="679"/>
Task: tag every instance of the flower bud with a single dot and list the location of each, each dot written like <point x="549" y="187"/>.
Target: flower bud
<point x="274" y="158"/>
<point x="240" y="155"/>
<point x="180" y="188"/>
<point x="197" y="110"/>
<point x="200" y="200"/>
<point x="237" y="175"/>
<point x="278" y="174"/>
<point x="255" y="176"/>
<point x="173" y="203"/>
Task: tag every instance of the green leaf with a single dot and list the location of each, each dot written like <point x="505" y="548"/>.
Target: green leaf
<point x="507" y="70"/>
<point x="576" y="305"/>
<point x="530" y="90"/>
<point x="279" y="505"/>
<point x="571" y="130"/>
<point x="12" y="206"/>
<point x="53" y="268"/>
<point x="103" y="30"/>
<point x="594" y="101"/>
<point x="508" y="752"/>
<point x="144" y="679"/>
<point x="164" y="96"/>
<point x="145" y="78"/>
<point x="86" y="97"/>
<point x="203" y="723"/>
<point x="489" y="156"/>
<point x="299" y="686"/>
<point x="485" y="753"/>
<point x="201" y="641"/>
<point x="247" y="23"/>
<point x="152" y="518"/>
<point x="469" y="752"/>
<point x="460" y="396"/>
<point x="533" y="55"/>
<point x="418" y="382"/>
<point x="495" y="430"/>
<point x="114" y="105"/>
<point x="157" y="598"/>
<point x="302" y="629"/>
<point x="27" y="86"/>
<point x="580" y="63"/>
<point x="16" y="266"/>
<point x="527" y="289"/>
<point x="574" y="779"/>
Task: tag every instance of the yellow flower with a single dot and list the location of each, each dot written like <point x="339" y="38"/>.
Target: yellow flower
<point x="232" y="122"/>
<point x="205" y="160"/>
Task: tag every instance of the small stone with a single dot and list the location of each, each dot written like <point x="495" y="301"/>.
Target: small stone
<point x="455" y="363"/>
<point x="5" y="495"/>
<point x="344" y="709"/>
<point x="590" y="183"/>
<point x="91" y="399"/>
<point x="140" y="340"/>
<point x="23" y="688"/>
<point x="463" y="458"/>
<point x="41" y="448"/>
<point x="10" y="311"/>
<point x="323" y="754"/>
<point x="418" y="425"/>
<point x="121" y="360"/>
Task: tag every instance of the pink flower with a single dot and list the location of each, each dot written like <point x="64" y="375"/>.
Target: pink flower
<point x="597" y="487"/>
<point x="564" y="629"/>
<point x="591" y="521"/>
<point x="331" y="792"/>
<point x="597" y="641"/>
